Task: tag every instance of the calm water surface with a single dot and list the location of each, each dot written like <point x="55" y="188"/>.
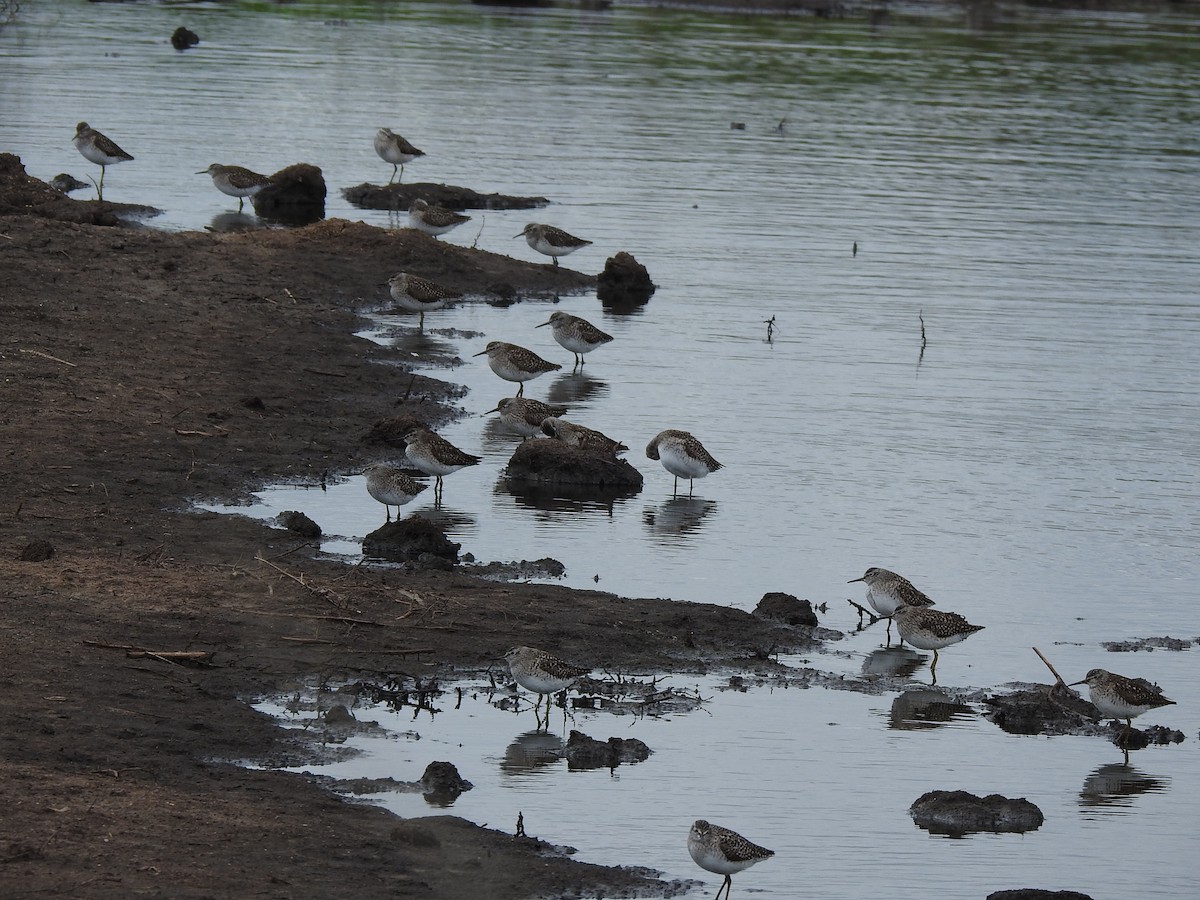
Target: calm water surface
<point x="1028" y="190"/>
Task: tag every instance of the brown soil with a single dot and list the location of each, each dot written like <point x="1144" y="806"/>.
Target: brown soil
<point x="143" y="371"/>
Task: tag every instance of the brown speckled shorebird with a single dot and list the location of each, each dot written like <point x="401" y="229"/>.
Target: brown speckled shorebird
<point x="541" y="672"/>
<point x="235" y="181"/>
<point x="575" y="334"/>
<point x="581" y="437"/>
<point x="392" y="148"/>
<point x="391" y="486"/>
<point x="1122" y="698"/>
<point x="932" y="629"/>
<point x="433" y="220"/>
<point x="551" y="241"/>
<point x="681" y="455"/>
<point x="99" y="149"/>
<point x="723" y="851"/>
<point x="886" y="590"/>
<point x="513" y="363"/>
<point x="436" y="456"/>
<point x="525" y="416"/>
<point x="419" y="295"/>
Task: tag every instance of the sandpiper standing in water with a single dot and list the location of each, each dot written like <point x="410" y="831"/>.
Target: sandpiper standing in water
<point x="234" y="181"/>
<point x="575" y="334"/>
<point x="436" y="456"/>
<point x="433" y="220"/>
<point x="551" y="241"/>
<point x="541" y="672"/>
<point x="513" y="363"/>
<point x="886" y="591"/>
<point x="99" y="149"/>
<point x="682" y="455"/>
<point x="418" y="294"/>
<point x="391" y="486"/>
<point x="1122" y="698"/>
<point x="392" y="148"/>
<point x="525" y="416"/>
<point x="932" y="629"/>
<point x="723" y="852"/>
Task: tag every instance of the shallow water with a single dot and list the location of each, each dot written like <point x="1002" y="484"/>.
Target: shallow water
<point x="1027" y="190"/>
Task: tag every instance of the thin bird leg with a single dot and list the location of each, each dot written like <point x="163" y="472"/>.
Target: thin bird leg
<point x="100" y="189"/>
<point x="393" y="178"/>
<point x="521" y="390"/>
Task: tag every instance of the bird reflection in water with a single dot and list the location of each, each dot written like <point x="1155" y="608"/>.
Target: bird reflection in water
<point x="1116" y="784"/>
<point x="925" y="708"/>
<point x="894" y="662"/>
<point x="449" y="520"/>
<point x="676" y="517"/>
<point x="575" y="387"/>
<point x="417" y="343"/>
<point x="530" y="752"/>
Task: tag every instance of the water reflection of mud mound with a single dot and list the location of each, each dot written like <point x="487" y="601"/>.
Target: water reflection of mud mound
<point x="922" y="709"/>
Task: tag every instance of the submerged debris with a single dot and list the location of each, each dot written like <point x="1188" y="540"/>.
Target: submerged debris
<point x="1149" y="644"/>
<point x="583" y="752"/>
<point x="1036" y="894"/>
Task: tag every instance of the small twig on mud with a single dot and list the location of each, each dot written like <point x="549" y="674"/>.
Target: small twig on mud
<point x="475" y="243"/>
<point x="324" y="593"/>
<point x="48" y="356"/>
<point x="300" y="640"/>
<point x="1057" y="677"/>
<point x="175" y="657"/>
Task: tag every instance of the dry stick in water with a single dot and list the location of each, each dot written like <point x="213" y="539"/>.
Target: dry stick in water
<point x="921" y="317"/>
<point x="1057" y="677"/>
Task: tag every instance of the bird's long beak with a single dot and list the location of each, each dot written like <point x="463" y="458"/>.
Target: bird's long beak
<point x="489" y="412"/>
<point x="202" y="172"/>
<point x="480" y="353"/>
<point x="544" y="324"/>
<point x="852" y="580"/>
<point x="1073" y="683"/>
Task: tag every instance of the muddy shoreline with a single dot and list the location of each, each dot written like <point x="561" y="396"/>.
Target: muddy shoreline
<point x="145" y="370"/>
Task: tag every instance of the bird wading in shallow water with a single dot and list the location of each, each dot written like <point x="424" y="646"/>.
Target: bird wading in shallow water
<point x="436" y="456"/>
<point x="550" y="241"/>
<point x="234" y="181"/>
<point x="419" y="295"/>
<point x="575" y="334"/>
<point x="513" y="363"/>
<point x="541" y="672"/>
<point x="723" y="852"/>
<point x="681" y="455"/>
<point x="392" y="148"/>
<point x="1122" y="698"/>
<point x="99" y="149"/>
<point x="391" y="486"/>
<point x="932" y="629"/>
<point x="886" y="591"/>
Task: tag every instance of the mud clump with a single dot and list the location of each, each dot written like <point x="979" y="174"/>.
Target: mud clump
<point x="299" y="523"/>
<point x="1044" y="709"/>
<point x="182" y="38"/>
<point x="1036" y="894"/>
<point x="583" y="752"/>
<point x="624" y="283"/>
<point x="447" y="196"/>
<point x="957" y="813"/>
<point x="787" y="609"/>
<point x="554" y="463"/>
<point x="413" y="540"/>
<point x="295" y="196"/>
<point x="37" y="551"/>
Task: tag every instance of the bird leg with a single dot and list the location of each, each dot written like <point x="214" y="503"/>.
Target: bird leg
<point x="100" y="189"/>
<point x="521" y="390"/>
<point x="393" y="178"/>
<point x="726" y="886"/>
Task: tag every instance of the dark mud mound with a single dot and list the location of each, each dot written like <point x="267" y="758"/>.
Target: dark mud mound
<point x="448" y="196"/>
<point x="957" y="813"/>
<point x="549" y="462"/>
<point x="412" y="540"/>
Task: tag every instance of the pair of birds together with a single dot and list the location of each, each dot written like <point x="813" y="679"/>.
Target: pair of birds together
<point x="894" y="596"/>
<point x="714" y="848"/>
<point x="234" y="181"/>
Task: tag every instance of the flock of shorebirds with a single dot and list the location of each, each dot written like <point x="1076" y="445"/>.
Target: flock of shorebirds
<point x="714" y="848"/>
<point x="725" y="852"/>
